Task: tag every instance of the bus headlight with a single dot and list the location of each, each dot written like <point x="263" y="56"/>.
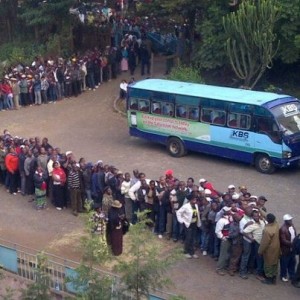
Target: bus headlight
<point x="286" y="154"/>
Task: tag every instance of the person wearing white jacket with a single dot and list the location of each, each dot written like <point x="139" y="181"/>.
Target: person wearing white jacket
<point x="189" y="215"/>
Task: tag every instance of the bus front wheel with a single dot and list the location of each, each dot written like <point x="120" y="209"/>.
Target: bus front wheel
<point x="176" y="147"/>
<point x="264" y="164"/>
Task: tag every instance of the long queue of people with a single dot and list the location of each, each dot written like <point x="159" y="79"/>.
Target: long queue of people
<point x="49" y="80"/>
<point x="233" y="227"/>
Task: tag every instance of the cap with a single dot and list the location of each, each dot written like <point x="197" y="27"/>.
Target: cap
<point x="254" y="197"/>
<point x="262" y="198"/>
<point x="252" y="203"/>
<point x="202" y="180"/>
<point x="119" y="173"/>
<point x="99" y="162"/>
<point x="231" y="186"/>
<point x="69" y="152"/>
<point x="169" y="172"/>
<point x="226" y="208"/>
<point x="287" y="217"/>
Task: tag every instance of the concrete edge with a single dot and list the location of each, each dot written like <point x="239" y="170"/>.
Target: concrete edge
<point x="115" y="106"/>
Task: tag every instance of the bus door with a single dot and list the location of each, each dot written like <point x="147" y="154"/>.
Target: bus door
<point x="241" y="138"/>
<point x="268" y="137"/>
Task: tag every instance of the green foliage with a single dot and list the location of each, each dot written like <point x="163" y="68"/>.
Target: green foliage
<point x="145" y="269"/>
<point x="251" y="39"/>
<point x="14" y="53"/>
<point x="40" y="289"/>
<point x="288" y="30"/>
<point x="89" y="283"/>
<point x="186" y="74"/>
<point x="210" y="52"/>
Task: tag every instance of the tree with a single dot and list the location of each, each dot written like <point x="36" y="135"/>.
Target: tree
<point x="88" y="282"/>
<point x="251" y="44"/>
<point x="145" y="269"/>
<point x="8" y="12"/>
<point x="288" y="30"/>
<point x="210" y="52"/>
<point x="40" y="289"/>
<point x="46" y="17"/>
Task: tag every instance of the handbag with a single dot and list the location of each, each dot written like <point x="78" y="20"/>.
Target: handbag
<point x="125" y="226"/>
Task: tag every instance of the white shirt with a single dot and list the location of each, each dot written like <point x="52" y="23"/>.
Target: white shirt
<point x="185" y="214"/>
<point x="123" y="86"/>
<point x="243" y="222"/>
<point x="220" y="225"/>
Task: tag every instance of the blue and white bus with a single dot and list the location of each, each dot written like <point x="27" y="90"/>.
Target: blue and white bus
<point x="259" y="128"/>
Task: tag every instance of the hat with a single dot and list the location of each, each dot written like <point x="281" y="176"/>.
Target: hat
<point x="13" y="79"/>
<point x="254" y="197"/>
<point x="231" y="186"/>
<point x="169" y="172"/>
<point x="22" y="146"/>
<point x="242" y="187"/>
<point x="226" y="208"/>
<point x="23" y="76"/>
<point x="119" y="173"/>
<point x="262" y="198"/>
<point x="252" y="203"/>
<point x="287" y="217"/>
<point x="69" y="152"/>
<point x="207" y="192"/>
<point x="202" y="180"/>
<point x="99" y="162"/>
<point x="116" y="204"/>
<point x="208" y="199"/>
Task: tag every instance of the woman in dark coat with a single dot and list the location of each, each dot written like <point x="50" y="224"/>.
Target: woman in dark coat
<point x="115" y="218"/>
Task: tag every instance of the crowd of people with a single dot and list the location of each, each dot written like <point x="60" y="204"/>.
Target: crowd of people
<point x="233" y="227"/>
<point x="47" y="81"/>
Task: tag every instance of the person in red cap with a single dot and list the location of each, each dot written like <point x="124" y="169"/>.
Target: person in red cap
<point x="170" y="180"/>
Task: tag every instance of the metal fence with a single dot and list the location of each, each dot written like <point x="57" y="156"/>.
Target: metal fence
<point x="23" y="261"/>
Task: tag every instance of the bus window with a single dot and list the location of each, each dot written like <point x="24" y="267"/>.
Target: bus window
<point x="144" y="105"/>
<point x="156" y="108"/>
<point x="168" y="109"/>
<point x="181" y="111"/>
<point x="219" y="117"/>
<point x="245" y="122"/>
<point x="206" y="115"/>
<point x="193" y="113"/>
<point x="232" y="121"/>
<point x="133" y="104"/>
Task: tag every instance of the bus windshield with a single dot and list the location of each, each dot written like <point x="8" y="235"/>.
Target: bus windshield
<point x="288" y="117"/>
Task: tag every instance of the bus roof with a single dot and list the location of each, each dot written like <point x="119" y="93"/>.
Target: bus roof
<point x="207" y="91"/>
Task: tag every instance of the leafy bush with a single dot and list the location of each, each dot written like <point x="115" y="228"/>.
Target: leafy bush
<point x="186" y="74"/>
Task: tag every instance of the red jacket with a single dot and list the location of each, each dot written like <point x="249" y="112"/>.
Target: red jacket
<point x="12" y="162"/>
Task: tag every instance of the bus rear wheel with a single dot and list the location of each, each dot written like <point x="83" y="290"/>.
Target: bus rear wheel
<point x="264" y="164"/>
<point x="176" y="147"/>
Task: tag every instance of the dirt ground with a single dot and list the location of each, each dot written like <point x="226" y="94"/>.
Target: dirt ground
<point x="89" y="127"/>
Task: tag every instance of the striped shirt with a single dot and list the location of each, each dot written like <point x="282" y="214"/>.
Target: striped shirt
<point x="73" y="180"/>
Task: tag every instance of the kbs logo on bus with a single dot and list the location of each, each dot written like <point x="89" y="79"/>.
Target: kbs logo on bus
<point x="238" y="134"/>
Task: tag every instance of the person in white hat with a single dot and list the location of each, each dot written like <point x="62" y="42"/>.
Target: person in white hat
<point x="288" y="258"/>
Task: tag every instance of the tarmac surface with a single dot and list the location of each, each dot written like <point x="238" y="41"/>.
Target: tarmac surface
<point x="90" y="127"/>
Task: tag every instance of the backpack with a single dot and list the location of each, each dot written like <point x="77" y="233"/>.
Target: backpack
<point x="296" y="245"/>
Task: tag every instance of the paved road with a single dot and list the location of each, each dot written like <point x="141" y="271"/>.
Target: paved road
<point x="88" y="126"/>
